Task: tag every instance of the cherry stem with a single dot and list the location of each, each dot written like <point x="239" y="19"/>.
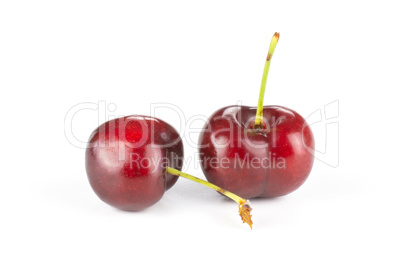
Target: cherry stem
<point x="258" y="118"/>
<point x="244" y="205"/>
<point x="232" y="196"/>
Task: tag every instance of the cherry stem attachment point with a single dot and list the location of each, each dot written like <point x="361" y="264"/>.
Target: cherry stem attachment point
<point x="259" y="118"/>
<point x="244" y="205"/>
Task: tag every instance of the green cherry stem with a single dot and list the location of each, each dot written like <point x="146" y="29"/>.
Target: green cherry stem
<point x="258" y="118"/>
<point x="244" y="205"/>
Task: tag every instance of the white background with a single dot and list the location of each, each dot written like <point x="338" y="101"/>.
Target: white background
<point x="200" y="57"/>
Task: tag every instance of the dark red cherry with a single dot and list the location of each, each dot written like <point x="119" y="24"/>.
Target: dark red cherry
<point x="266" y="151"/>
<point x="126" y="161"/>
<point x="268" y="162"/>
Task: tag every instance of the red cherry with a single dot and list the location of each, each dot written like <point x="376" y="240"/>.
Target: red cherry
<point x="126" y="161"/>
<point x="257" y="152"/>
<point x="267" y="162"/>
<point x="132" y="161"/>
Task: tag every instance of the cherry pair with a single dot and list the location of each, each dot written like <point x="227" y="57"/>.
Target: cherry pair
<point x="244" y="151"/>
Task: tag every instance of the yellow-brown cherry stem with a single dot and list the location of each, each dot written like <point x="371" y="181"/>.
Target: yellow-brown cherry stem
<point x="244" y="205"/>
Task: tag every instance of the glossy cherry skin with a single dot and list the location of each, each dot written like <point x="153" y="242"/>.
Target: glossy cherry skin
<point x="126" y="160"/>
<point x="268" y="162"/>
